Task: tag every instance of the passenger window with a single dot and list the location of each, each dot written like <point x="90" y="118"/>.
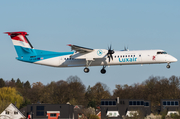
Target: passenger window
<point x="139" y="55"/>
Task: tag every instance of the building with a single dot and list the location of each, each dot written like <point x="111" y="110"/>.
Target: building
<point x="12" y="112"/>
<point x="170" y="106"/>
<point x="78" y="110"/>
<point x="119" y="108"/>
<point x="50" y="111"/>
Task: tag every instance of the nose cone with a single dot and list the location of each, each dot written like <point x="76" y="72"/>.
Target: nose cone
<point x="173" y="59"/>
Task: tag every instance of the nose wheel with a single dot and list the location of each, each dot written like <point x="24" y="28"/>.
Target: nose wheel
<point x="168" y="66"/>
<point x="103" y="70"/>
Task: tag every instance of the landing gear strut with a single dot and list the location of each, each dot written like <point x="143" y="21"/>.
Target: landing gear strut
<point x="88" y="63"/>
<point x="103" y="71"/>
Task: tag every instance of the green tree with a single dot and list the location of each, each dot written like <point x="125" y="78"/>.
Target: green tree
<point x="36" y="92"/>
<point x="27" y="85"/>
<point x="92" y="104"/>
<point x="76" y="90"/>
<point x="100" y="91"/>
<point x="3" y="105"/>
<point x="154" y="89"/>
<point x="12" y="80"/>
<point x="2" y="83"/>
<point x="11" y="95"/>
<point x="25" y="103"/>
<point x="10" y="83"/>
<point x="48" y="93"/>
<point x="93" y="117"/>
<point x="19" y="84"/>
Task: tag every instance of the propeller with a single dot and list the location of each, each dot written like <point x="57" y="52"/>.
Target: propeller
<point x="126" y="48"/>
<point x="109" y="54"/>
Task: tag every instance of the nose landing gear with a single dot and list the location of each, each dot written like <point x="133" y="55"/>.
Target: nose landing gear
<point x="168" y="66"/>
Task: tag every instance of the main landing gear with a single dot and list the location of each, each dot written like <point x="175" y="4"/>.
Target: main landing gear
<point x="86" y="70"/>
<point x="103" y="70"/>
<point x="88" y="63"/>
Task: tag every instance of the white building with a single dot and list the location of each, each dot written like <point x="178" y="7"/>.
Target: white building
<point x="11" y="112"/>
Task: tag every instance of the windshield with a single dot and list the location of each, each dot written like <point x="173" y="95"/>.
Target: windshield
<point x="162" y="52"/>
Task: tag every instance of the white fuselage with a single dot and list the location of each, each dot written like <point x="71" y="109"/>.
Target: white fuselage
<point x="99" y="58"/>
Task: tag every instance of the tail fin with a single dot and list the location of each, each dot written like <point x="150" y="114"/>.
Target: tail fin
<point x="21" y="43"/>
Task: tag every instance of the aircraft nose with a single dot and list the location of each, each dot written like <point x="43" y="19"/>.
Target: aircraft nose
<point x="173" y="59"/>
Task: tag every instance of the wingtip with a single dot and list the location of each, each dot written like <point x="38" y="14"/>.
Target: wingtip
<point x="69" y="45"/>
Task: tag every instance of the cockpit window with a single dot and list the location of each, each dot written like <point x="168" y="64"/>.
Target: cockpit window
<point x="162" y="52"/>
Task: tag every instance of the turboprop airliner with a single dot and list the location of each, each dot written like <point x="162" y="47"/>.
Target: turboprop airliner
<point x="85" y="57"/>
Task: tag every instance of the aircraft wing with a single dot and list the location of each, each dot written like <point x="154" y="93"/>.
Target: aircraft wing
<point x="80" y="49"/>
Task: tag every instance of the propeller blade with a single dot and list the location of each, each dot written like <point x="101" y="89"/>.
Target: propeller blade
<point x="110" y="52"/>
<point x="111" y="56"/>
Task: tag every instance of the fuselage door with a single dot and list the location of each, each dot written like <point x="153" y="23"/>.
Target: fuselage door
<point x="139" y="57"/>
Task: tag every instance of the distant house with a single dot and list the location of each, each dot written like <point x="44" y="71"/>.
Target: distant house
<point x="50" y="111"/>
<point x="78" y="110"/>
<point x="170" y="106"/>
<point x="12" y="112"/>
<point x="119" y="108"/>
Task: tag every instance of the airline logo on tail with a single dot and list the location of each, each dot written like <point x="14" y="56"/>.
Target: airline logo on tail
<point x="19" y="39"/>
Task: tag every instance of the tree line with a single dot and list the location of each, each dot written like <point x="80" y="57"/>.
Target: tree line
<point x="74" y="91"/>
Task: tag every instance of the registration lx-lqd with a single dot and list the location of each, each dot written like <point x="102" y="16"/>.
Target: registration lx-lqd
<point x="85" y="57"/>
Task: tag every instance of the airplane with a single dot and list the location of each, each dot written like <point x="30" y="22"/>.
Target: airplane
<point x="85" y="57"/>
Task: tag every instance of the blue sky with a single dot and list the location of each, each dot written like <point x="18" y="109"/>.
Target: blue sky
<point x="51" y="25"/>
